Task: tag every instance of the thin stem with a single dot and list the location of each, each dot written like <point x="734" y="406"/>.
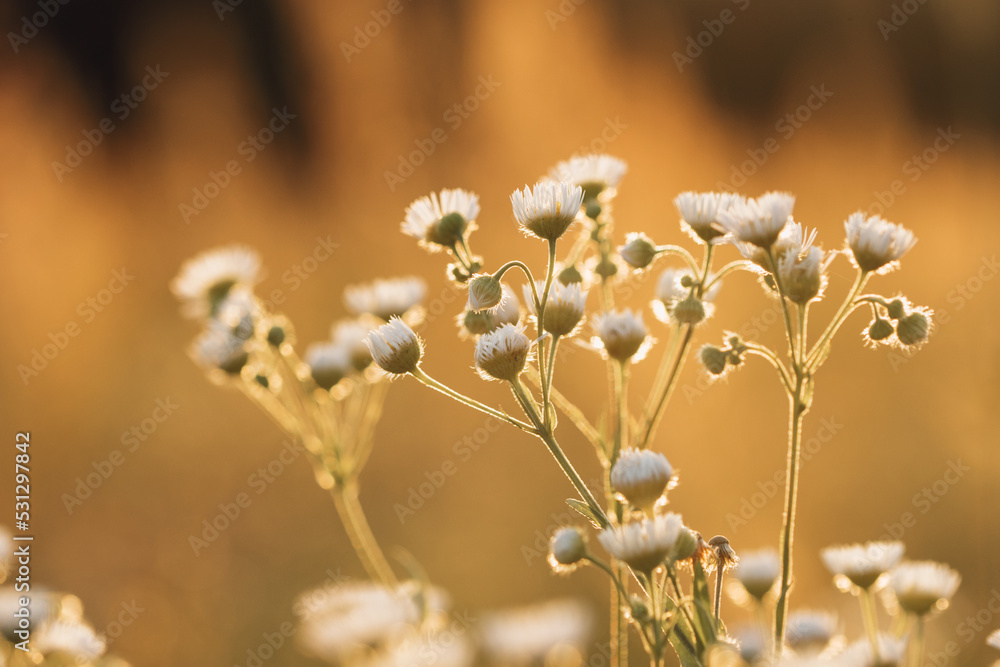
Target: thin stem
<point x="718" y="594"/>
<point x="651" y="419"/>
<point x="772" y="358"/>
<point x="870" y="615"/>
<point x="619" y="587"/>
<point x="550" y="442"/>
<point x="740" y="264"/>
<point x="796" y="412"/>
<point x="461" y="398"/>
<point x="679" y="252"/>
<point x="547" y="382"/>
<point x="917" y="645"/>
<point x="345" y="499"/>
<point x="621" y="409"/>
<point x="812" y="360"/>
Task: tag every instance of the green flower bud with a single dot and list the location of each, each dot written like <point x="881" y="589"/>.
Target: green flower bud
<point x="714" y="359"/>
<point x="880" y="329"/>
<point x="570" y="275"/>
<point x="485" y="291"/>
<point x="689" y="310"/>
<point x="897" y="309"/>
<point x="450" y="229"/>
<point x="606" y="268"/>
<point x="912" y="329"/>
<point x="276" y="335"/>
<point x="639" y="252"/>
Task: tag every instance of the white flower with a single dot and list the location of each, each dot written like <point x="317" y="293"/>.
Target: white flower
<point x="793" y="238"/>
<point x="70" y="637"/>
<point x="594" y="173"/>
<point x="810" y="631"/>
<point x="441" y="649"/>
<point x="352" y="617"/>
<point x="643" y="544"/>
<point x="876" y="244"/>
<point x="508" y="311"/>
<point x="395" y="347"/>
<point x="621" y="333"/>
<point x="891" y="652"/>
<point x="758" y="221"/>
<point x="526" y="635"/>
<point x="328" y="363"/>
<point x="240" y="311"/>
<point x="700" y="213"/>
<point x="385" y="298"/>
<point x="502" y="354"/>
<point x="441" y="220"/>
<point x="206" y="279"/>
<point x="801" y="275"/>
<point x="642" y="477"/>
<point x="218" y="348"/>
<point x="351" y="334"/>
<point x="751" y="642"/>
<point x="862" y="564"/>
<point x="547" y="209"/>
<point x="920" y="586"/>
<point x="757" y="571"/>
<point x="994" y="639"/>
<point x="564" y="308"/>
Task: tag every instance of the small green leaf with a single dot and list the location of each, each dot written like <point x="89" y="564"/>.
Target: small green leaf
<point x="584" y="509"/>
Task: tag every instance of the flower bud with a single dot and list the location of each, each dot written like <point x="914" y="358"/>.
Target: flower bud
<point x="328" y="363"/>
<point x="880" y="329"/>
<point x="714" y="359"/>
<point x="570" y="275"/>
<point x="912" y="329"/>
<point x="564" y="309"/>
<point x="450" y="229"/>
<point x="606" y="268"/>
<point x="622" y="333"/>
<point x="638" y="251"/>
<point x="395" y="347"/>
<point x="502" y="354"/>
<point x="897" y="309"/>
<point x="689" y="310"/>
<point x="567" y="548"/>
<point x="485" y="291"/>
<point x="276" y="335"/>
<point x="685" y="546"/>
<point x="641" y="477"/>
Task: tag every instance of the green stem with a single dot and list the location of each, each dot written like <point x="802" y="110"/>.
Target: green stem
<point x="547" y="383"/>
<point x="741" y="264"/>
<point x="814" y="357"/>
<point x="345" y="499"/>
<point x="772" y="358"/>
<point x="917" y="644"/>
<point x="461" y="398"/>
<point x="870" y="616"/>
<point x="651" y="419"/>
<point x="621" y="410"/>
<point x="679" y="252"/>
<point x="793" y="345"/>
<point x="797" y="410"/>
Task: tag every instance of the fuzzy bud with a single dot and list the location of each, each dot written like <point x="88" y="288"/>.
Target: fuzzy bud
<point x="880" y="329"/>
<point x="606" y="268"/>
<point x="689" y="310"/>
<point x="567" y="548"/>
<point x="570" y="275"/>
<point x="912" y="329"/>
<point x="622" y="333"/>
<point x="897" y="309"/>
<point x="564" y="309"/>
<point x="502" y="354"/>
<point x="638" y="251"/>
<point x="276" y="335"/>
<point x="685" y="546"/>
<point x="641" y="477"/>
<point x="725" y="557"/>
<point x="485" y="291"/>
<point x="713" y="359"/>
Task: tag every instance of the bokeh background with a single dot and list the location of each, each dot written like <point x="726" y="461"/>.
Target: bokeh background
<point x="564" y="77"/>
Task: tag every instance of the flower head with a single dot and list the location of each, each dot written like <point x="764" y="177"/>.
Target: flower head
<point x="441" y="220"/>
<point x="810" y="631"/>
<point x="204" y="281"/>
<point x="351" y="334"/>
<point x="891" y="652"/>
<point x="594" y="173"/>
<point x="801" y="275"/>
<point x="485" y="292"/>
<point x="876" y="244"/>
<point x="217" y="347"/>
<point x="69" y="637"/>
<point x="642" y="477"/>
<point x="547" y="209"/>
<point x="527" y="635"/>
<point x="921" y="586"/>
<point x="395" y="347"/>
<point x="329" y="363"/>
<point x="564" y="308"/>
<point x="758" y="221"/>
<point x="862" y="564"/>
<point x="502" y="353"/>
<point x="643" y="544"/>
<point x="385" y="298"/>
<point x="758" y="571"/>
<point x="700" y="213"/>
<point x="621" y="333"/>
<point x="508" y="311"/>
<point x="994" y="639"/>
<point x="567" y="548"/>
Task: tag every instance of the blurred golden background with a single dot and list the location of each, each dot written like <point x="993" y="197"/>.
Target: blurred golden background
<point x="890" y="107"/>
